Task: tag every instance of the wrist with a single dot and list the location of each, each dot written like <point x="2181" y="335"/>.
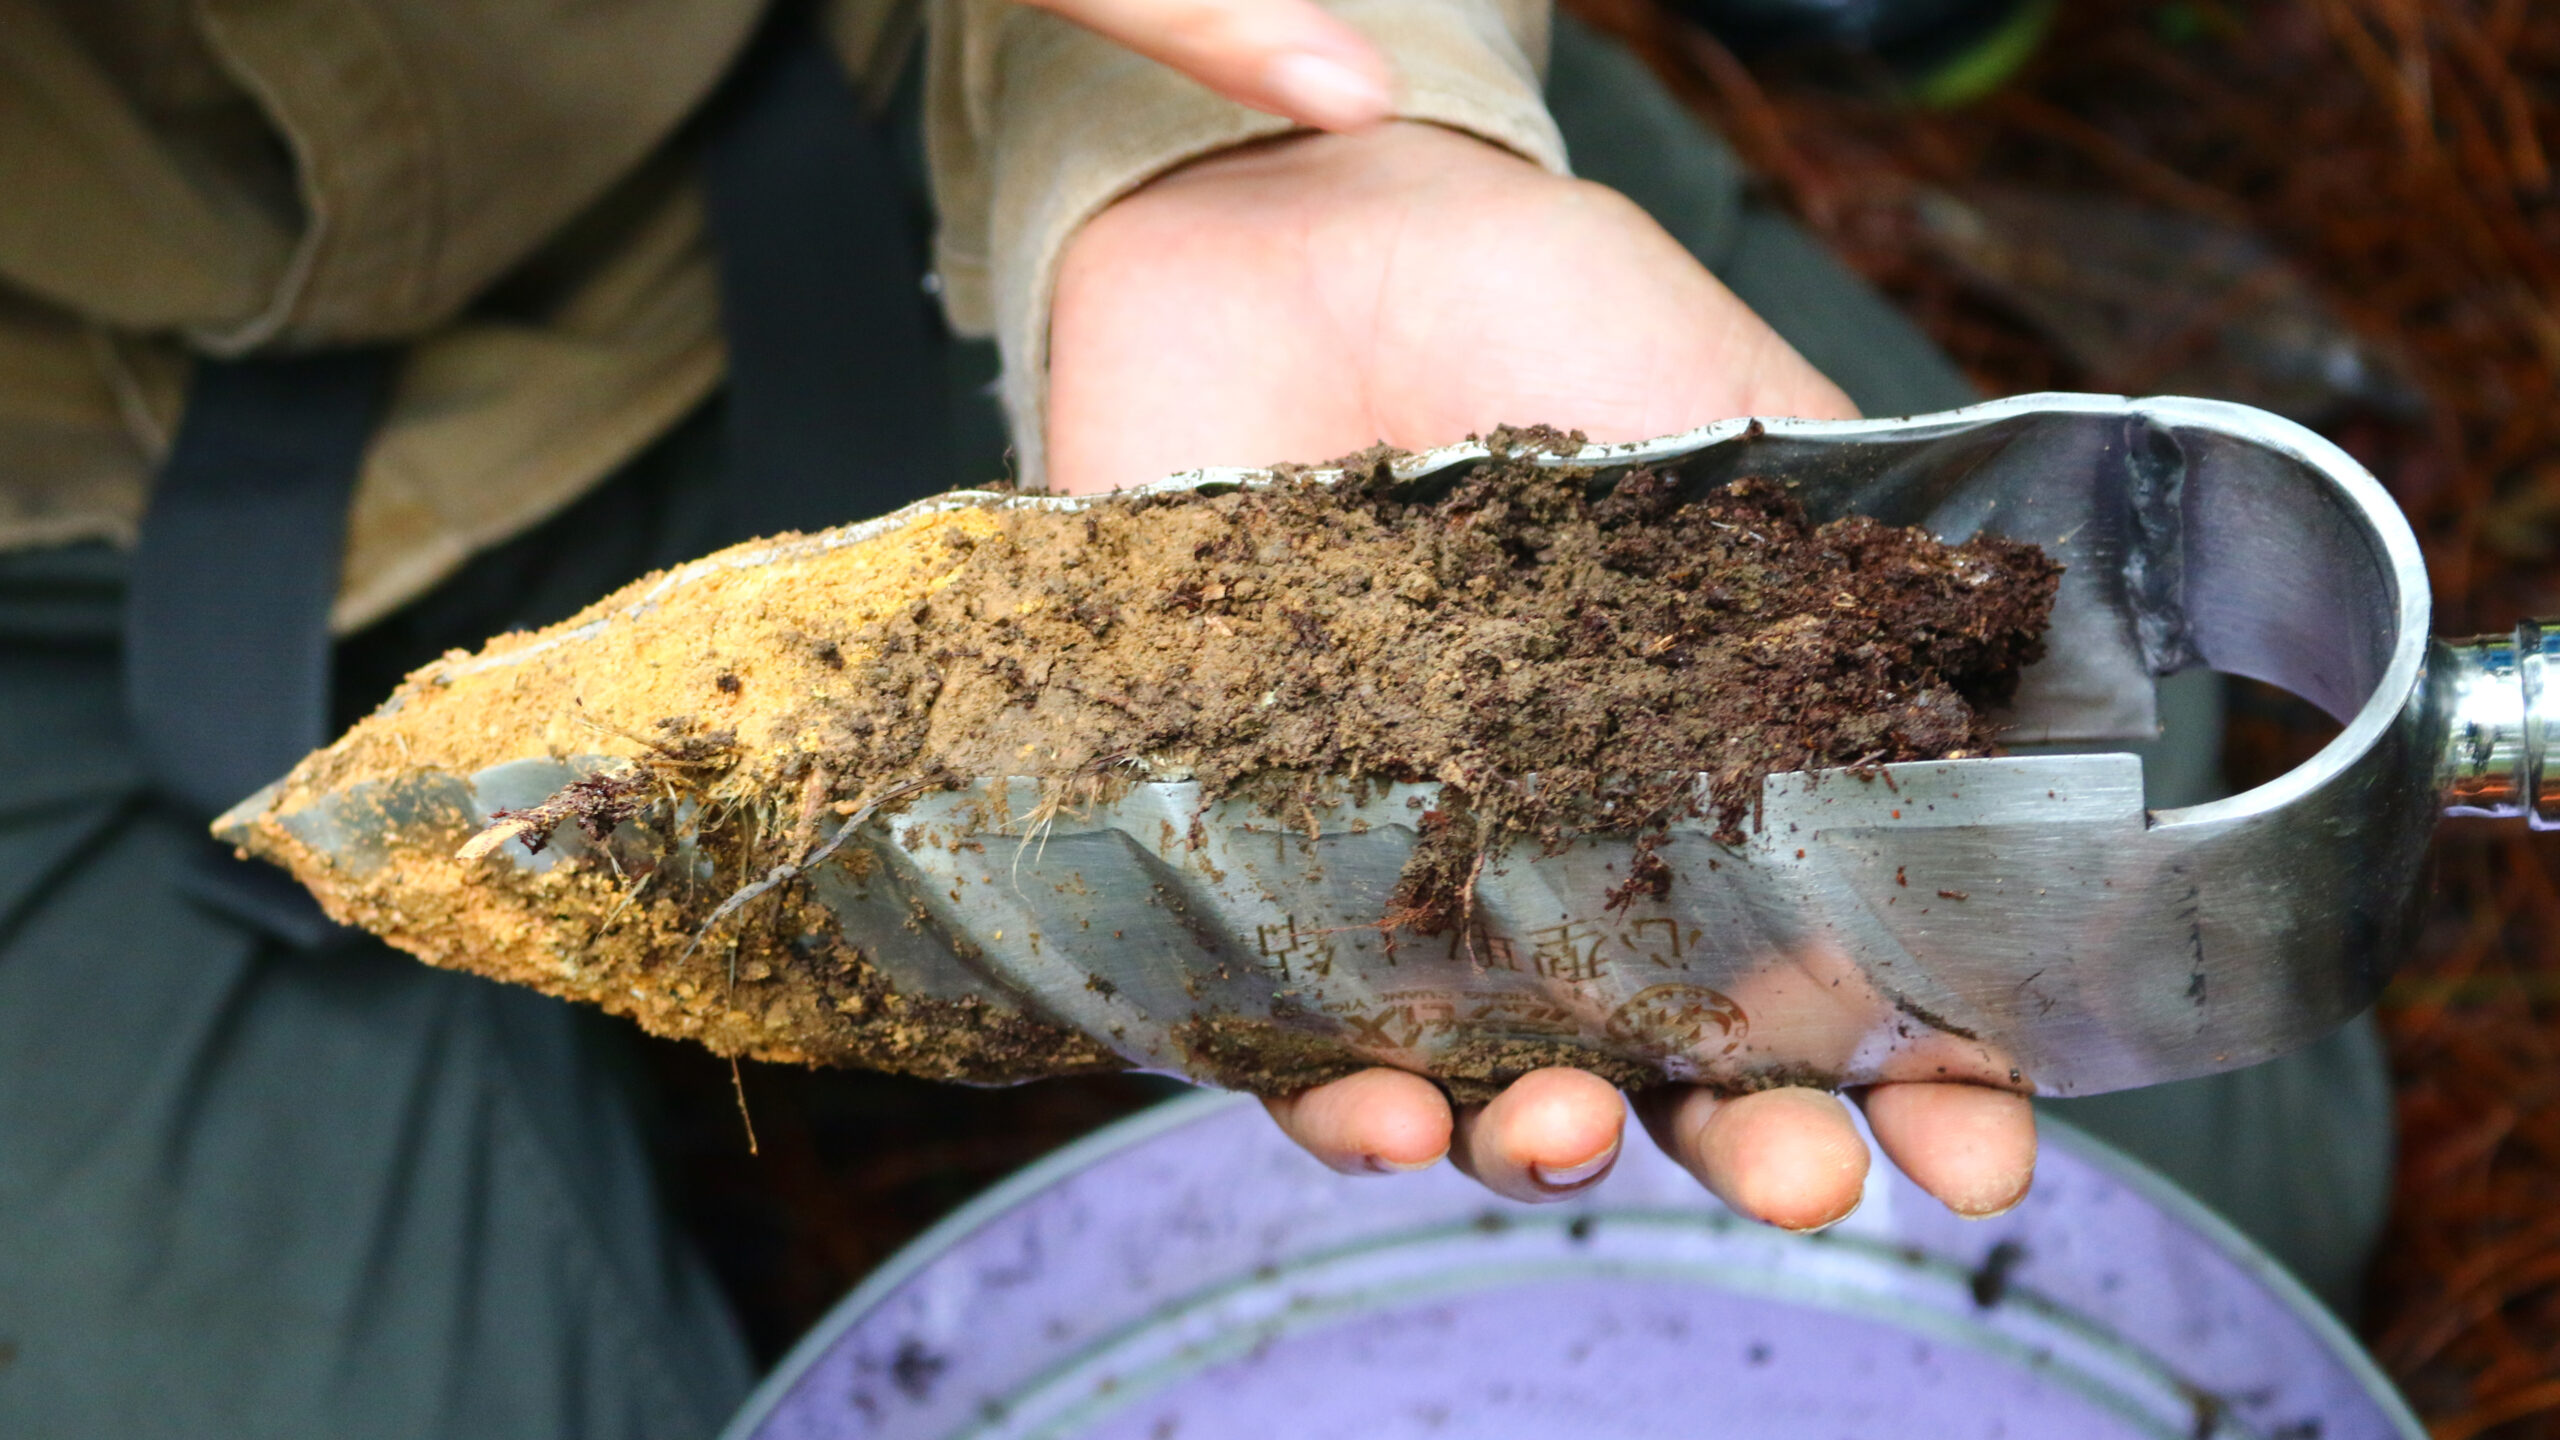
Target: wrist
<point x="1402" y="163"/>
<point x="1298" y="210"/>
<point x="1313" y="295"/>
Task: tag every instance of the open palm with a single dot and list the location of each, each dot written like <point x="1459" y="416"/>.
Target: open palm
<point x="1313" y="296"/>
<point x="1306" y="298"/>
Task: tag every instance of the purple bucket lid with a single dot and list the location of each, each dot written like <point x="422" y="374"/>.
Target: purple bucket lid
<point x="1189" y="1275"/>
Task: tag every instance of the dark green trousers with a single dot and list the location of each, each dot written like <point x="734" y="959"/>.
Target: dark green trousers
<point x="250" y="1191"/>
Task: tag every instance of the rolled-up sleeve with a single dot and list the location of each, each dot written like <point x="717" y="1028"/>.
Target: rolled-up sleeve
<point x="1035" y="124"/>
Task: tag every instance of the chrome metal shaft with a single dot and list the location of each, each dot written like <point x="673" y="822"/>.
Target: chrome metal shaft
<point x="2497" y="691"/>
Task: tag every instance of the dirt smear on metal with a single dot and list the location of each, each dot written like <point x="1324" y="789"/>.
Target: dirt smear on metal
<point x="1564" y="655"/>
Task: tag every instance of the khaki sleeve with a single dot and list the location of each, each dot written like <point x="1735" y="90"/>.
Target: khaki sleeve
<point x="1034" y="124"/>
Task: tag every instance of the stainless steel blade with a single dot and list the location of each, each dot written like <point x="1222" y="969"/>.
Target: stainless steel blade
<point x="2020" y="921"/>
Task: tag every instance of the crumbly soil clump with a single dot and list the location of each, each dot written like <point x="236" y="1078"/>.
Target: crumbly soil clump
<point x="1276" y="642"/>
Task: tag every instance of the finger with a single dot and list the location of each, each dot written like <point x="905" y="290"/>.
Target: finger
<point x="1287" y="57"/>
<point x="1377" y="1122"/>
<point x="1790" y="1157"/>
<point x="1549" y="1134"/>
<point x="1971" y="1146"/>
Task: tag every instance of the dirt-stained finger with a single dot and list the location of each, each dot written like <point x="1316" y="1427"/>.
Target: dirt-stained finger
<point x="1971" y="1146"/>
<point x="1377" y="1122"/>
<point x="1790" y="1157"/>
<point x="1550" y="1134"/>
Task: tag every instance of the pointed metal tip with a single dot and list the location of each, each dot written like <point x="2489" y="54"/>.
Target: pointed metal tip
<point x="238" y="824"/>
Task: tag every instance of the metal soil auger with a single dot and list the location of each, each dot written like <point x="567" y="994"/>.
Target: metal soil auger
<point x="2020" y="921"/>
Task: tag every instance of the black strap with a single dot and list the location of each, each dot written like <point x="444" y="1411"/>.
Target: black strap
<point x="227" y="618"/>
<point x="835" y="410"/>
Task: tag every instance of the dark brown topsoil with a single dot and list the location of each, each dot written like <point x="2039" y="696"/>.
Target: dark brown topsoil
<point x="1277" y="642"/>
<point x="1612" y="645"/>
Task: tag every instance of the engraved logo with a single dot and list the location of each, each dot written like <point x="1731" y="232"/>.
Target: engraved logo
<point x="1570" y="952"/>
<point x="1312" y="950"/>
<point x="1401" y="1021"/>
<point x="1675" y="1019"/>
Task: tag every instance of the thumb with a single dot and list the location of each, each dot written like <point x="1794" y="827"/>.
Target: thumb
<point x="1285" y="57"/>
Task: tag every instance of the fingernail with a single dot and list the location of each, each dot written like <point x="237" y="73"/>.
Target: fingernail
<point x="1381" y="1165"/>
<point x="2014" y="1202"/>
<point x="1326" y="93"/>
<point x="1834" y="1220"/>
<point x="1569" y="1177"/>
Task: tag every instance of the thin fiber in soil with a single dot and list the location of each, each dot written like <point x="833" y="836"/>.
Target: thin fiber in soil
<point x="1278" y="643"/>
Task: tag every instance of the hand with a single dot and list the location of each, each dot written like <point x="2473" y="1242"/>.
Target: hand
<point x="1312" y="296"/>
<point x="1287" y="57"/>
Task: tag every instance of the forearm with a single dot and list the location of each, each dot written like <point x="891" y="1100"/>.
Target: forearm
<point x="1036" y="125"/>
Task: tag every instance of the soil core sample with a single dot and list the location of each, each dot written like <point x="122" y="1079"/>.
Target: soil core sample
<point x="1562" y="655"/>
